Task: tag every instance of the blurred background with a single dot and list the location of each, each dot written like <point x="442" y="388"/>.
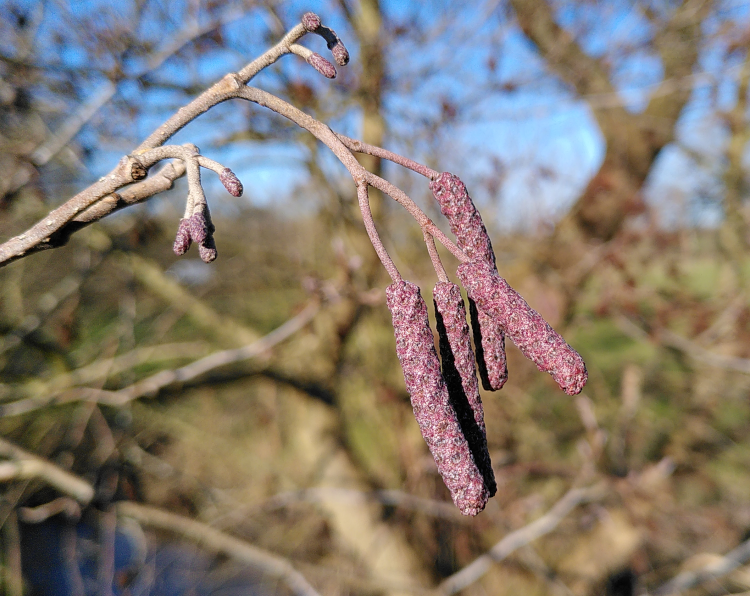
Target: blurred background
<point x="605" y="144"/>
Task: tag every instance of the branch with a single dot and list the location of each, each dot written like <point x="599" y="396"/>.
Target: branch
<point x="671" y="339"/>
<point x="24" y="465"/>
<point x="219" y="542"/>
<point x="689" y="579"/>
<point x="521" y="537"/>
<point x="73" y="124"/>
<point x="397" y="498"/>
<point x="152" y="385"/>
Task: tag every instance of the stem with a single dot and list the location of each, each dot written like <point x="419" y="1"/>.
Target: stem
<point x="326" y="136"/>
<point x="435" y="257"/>
<point x="207" y="99"/>
<point x="361" y="147"/>
<point x="364" y="207"/>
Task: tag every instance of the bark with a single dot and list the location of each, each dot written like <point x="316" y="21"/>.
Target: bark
<point x="633" y="140"/>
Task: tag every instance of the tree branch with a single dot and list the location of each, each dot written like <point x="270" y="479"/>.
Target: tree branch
<point x="219" y="542"/>
<point x="521" y="537"/>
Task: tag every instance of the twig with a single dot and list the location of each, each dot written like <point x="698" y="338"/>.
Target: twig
<point x="104" y="368"/>
<point x="696" y="352"/>
<point x="689" y="579"/>
<point x="324" y="134"/>
<point x="151" y="386"/>
<point x="702" y="355"/>
<point x="220" y="542"/>
<point x="361" y="147"/>
<point x="12" y="578"/>
<point x="521" y="537"/>
<point x="377" y="243"/>
<point x="72" y="125"/>
<point x="397" y="498"/>
<point x="35" y="515"/>
<point x="24" y="465"/>
<point x="435" y="257"/>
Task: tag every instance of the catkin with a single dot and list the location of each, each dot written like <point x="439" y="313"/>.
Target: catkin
<point x="527" y="328"/>
<point x="435" y="415"/>
<point x="459" y="373"/>
<point x="468" y="228"/>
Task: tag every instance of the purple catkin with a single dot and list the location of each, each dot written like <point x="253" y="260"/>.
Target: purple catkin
<point x="182" y="240"/>
<point x="468" y="228"/>
<point x="460" y="376"/>
<point x="231" y="182"/>
<point x="529" y="331"/>
<point x="415" y="348"/>
<point x="340" y="54"/>
<point x="322" y="65"/>
<point x="207" y="250"/>
<point x="198" y="226"/>
<point x="310" y="21"/>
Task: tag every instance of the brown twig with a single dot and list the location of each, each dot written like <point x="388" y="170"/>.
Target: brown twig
<point x="24" y="465"/>
<point x="521" y="537"/>
<point x="220" y="542"/>
<point x="152" y="385"/>
<point x="435" y="257"/>
<point x="34" y="515"/>
<point x="361" y="147"/>
<point x="689" y="579"/>
<point x="364" y="207"/>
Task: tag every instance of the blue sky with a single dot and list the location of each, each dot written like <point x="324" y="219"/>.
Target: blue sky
<point x="538" y="139"/>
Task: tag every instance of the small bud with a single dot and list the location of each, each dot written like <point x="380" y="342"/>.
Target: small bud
<point x="207" y="250"/>
<point x="415" y="348"/>
<point x="527" y="328"/>
<point x="182" y="240"/>
<point x="198" y="227"/>
<point x="322" y="65"/>
<point x="231" y="182"/>
<point x="310" y="21"/>
<point x="460" y="375"/>
<point x="340" y="54"/>
<point x="137" y="170"/>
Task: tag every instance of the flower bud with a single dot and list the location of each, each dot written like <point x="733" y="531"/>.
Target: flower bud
<point x="460" y="376"/>
<point x="207" y="250"/>
<point x="529" y="331"/>
<point x="231" y="182"/>
<point x="435" y="415"/>
<point x="198" y="226"/>
<point x="182" y="240"/>
<point x="340" y="54"/>
<point x="322" y="65"/>
<point x="310" y="21"/>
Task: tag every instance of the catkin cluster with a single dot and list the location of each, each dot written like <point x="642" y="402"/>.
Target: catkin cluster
<point x="445" y="393"/>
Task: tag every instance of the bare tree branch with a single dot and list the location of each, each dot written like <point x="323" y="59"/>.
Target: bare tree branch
<point x="220" y="542"/>
<point x="689" y="579"/>
<point x="521" y="537"/>
<point x="151" y="386"/>
<point x="23" y="465"/>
